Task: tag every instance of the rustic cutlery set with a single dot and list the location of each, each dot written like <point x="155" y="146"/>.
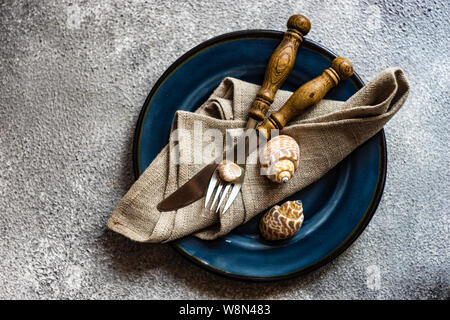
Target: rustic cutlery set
<point x="222" y="180"/>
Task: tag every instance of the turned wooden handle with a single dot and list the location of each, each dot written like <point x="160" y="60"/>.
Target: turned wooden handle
<point x="307" y="95"/>
<point x="280" y="65"/>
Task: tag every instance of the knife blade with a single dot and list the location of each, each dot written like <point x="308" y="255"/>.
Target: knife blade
<point x="189" y="192"/>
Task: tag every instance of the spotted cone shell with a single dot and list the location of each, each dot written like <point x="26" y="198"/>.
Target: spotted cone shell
<point x="282" y="222"/>
<point x="280" y="158"/>
<point x="229" y="171"/>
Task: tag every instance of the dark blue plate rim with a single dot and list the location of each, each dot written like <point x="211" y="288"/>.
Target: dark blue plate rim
<point x="314" y="46"/>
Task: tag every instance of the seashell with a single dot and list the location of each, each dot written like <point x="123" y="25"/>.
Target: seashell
<point x="229" y="171"/>
<point x="280" y="158"/>
<point x="282" y="222"/>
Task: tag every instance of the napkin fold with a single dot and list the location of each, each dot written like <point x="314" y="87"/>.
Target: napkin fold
<point x="326" y="134"/>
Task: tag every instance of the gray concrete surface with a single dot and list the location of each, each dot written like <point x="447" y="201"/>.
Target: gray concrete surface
<point x="74" y="75"/>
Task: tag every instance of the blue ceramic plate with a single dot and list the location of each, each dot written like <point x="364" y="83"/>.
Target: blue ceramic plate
<point x="337" y="208"/>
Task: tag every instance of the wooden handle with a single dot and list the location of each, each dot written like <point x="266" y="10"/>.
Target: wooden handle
<point x="280" y="65"/>
<point x="307" y="95"/>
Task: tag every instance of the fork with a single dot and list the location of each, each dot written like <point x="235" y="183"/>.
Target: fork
<point x="278" y="68"/>
<point x="219" y="187"/>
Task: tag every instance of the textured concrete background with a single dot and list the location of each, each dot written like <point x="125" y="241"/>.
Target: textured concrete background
<point x="74" y="75"/>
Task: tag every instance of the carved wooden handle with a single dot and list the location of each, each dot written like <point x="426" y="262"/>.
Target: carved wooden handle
<point x="307" y="95"/>
<point x="280" y="65"/>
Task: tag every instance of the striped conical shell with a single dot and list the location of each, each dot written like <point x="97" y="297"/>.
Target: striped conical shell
<point x="282" y="222"/>
<point x="280" y="158"/>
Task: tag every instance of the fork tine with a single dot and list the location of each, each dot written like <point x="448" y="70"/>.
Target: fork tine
<point x="234" y="192"/>
<point x="224" y="195"/>
<point x="212" y="184"/>
<point x="216" y="196"/>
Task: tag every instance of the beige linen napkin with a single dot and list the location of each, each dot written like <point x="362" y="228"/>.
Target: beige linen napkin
<point x="326" y="134"/>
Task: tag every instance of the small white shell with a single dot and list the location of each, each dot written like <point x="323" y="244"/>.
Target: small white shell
<point x="282" y="222"/>
<point x="229" y="171"/>
<point x="280" y="158"/>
